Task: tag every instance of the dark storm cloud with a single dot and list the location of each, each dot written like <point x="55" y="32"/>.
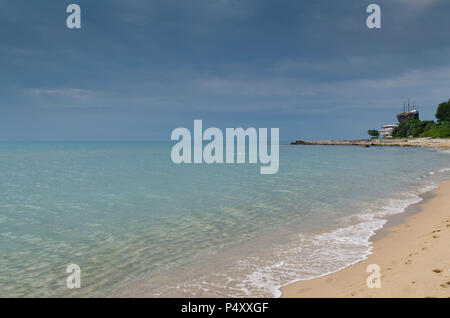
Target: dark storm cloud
<point x="138" y="69"/>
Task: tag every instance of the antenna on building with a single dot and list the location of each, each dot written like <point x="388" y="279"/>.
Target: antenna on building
<point x="408" y="104"/>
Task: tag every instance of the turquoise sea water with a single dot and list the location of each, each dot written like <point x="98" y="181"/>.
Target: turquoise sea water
<point x="139" y="225"/>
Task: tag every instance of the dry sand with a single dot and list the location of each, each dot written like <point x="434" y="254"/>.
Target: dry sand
<point x="414" y="258"/>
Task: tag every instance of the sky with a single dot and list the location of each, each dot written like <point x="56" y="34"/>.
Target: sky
<point x="136" y="70"/>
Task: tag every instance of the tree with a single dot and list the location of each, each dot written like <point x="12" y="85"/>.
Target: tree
<point x="373" y="133"/>
<point x="414" y="128"/>
<point x="406" y="129"/>
<point x="443" y="112"/>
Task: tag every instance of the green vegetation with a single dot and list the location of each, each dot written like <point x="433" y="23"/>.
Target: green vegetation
<point x="373" y="133"/>
<point x="438" y="131"/>
<point x="443" y="112"/>
<point x="412" y="128"/>
<point x="427" y="128"/>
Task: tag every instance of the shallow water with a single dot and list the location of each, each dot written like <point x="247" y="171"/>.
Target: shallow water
<point x="137" y="224"/>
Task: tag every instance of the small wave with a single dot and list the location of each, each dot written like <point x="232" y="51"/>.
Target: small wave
<point x="307" y="257"/>
<point x="446" y="151"/>
<point x="328" y="252"/>
<point x="428" y="188"/>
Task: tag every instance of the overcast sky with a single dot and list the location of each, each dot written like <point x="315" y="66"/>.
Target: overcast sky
<point x="138" y="69"/>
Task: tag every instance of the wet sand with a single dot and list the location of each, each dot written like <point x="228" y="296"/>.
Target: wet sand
<point x="413" y="255"/>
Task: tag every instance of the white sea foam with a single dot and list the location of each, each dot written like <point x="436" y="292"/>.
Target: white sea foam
<point x="428" y="187"/>
<point x="310" y="257"/>
<point x="144" y="220"/>
<point x="305" y="258"/>
<point x="446" y="151"/>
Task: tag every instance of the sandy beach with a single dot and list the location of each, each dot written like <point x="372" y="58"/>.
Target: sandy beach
<point x="414" y="258"/>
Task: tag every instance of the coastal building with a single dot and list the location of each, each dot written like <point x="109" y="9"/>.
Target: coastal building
<point x="386" y="131"/>
<point x="409" y="113"/>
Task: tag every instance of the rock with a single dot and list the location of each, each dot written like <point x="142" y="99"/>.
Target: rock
<point x="415" y="142"/>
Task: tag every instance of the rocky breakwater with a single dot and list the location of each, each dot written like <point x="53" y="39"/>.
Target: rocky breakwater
<point x="411" y="142"/>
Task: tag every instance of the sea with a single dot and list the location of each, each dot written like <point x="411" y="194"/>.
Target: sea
<point x="138" y="225"/>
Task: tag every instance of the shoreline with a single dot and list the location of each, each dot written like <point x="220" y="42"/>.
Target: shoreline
<point x="139" y="287"/>
<point x="441" y="143"/>
<point x="411" y="250"/>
